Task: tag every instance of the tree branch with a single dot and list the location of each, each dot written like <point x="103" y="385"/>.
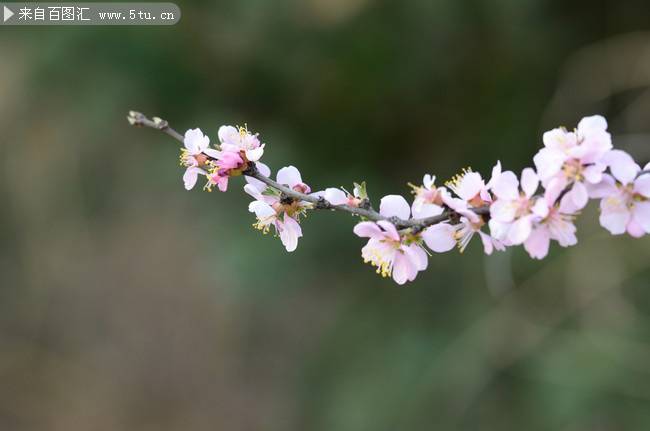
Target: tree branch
<point x="140" y="120"/>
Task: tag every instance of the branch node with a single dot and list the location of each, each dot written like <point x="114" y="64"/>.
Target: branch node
<point x="322" y="204"/>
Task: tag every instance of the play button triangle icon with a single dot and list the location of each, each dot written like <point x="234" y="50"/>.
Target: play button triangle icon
<point x="7" y="13"/>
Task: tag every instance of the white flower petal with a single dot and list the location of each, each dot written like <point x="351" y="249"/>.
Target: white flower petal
<point x="191" y="176"/>
<point x="229" y="135"/>
<point x="622" y="166"/>
<point x="255" y="154"/>
<point x="614" y="214"/>
<point x="423" y="209"/>
<point x="529" y="182"/>
<point x="394" y="206"/>
<point x="440" y="237"/>
<point x="289" y="233"/>
<point x="642" y="185"/>
<point x="506" y="187"/>
<point x="289" y="175"/>
<point x="335" y="196"/>
<point x="538" y="243"/>
<point x="520" y="230"/>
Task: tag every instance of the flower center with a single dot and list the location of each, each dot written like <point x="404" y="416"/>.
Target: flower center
<point x="573" y="169"/>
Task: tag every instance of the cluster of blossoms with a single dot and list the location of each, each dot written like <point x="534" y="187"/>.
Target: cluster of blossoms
<point x="532" y="209"/>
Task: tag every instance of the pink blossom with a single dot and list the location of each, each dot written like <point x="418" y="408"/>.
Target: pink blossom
<point x="625" y="204"/>
<point x="428" y="198"/>
<point x="556" y="225"/>
<point x="241" y="140"/>
<point x="398" y="256"/>
<point x="473" y="193"/>
<point x="573" y="159"/>
<point x="470" y="187"/>
<point x="343" y="197"/>
<point x="226" y="165"/>
<point x="444" y="236"/>
<point x="271" y="210"/>
<point x="195" y="155"/>
<point x="513" y="212"/>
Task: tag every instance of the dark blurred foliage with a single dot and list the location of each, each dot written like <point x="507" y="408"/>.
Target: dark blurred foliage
<point x="127" y="303"/>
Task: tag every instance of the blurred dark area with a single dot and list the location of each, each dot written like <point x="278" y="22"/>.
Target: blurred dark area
<point x="127" y="303"/>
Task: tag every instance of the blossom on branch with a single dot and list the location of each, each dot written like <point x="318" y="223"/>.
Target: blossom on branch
<point x="273" y="209"/>
<point x="625" y="203"/>
<point x="399" y="256"/>
<point x="195" y="156"/>
<point x="573" y="160"/>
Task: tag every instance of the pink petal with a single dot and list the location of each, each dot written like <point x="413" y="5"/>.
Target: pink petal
<point x="394" y="206"/>
<point x="289" y="233"/>
<point x="190" y="177"/>
<point x="261" y="209"/>
<point x="606" y="187"/>
<point x="529" y="182"/>
<point x="622" y="166"/>
<point x="503" y="210"/>
<point x="540" y="208"/>
<point x="389" y="229"/>
<point x="641" y="213"/>
<point x="594" y="173"/>
<point x="559" y="139"/>
<point x="252" y="190"/>
<point x="590" y="124"/>
<point x="470" y="185"/>
<point x="426" y="210"/>
<point x="642" y="185"/>
<point x="519" y="230"/>
<point x="335" y="196"/>
<point x="440" y="237"/>
<point x="506" y="186"/>
<point x="222" y="184"/>
<point x="499" y="229"/>
<point x="229" y="135"/>
<point x="538" y="242"/>
<point x="554" y="188"/>
<point x="575" y="199"/>
<point x="548" y="162"/>
<point x="496" y="173"/>
<point x="614" y="215"/>
<point x="367" y="229"/>
<point x="418" y="257"/>
<point x="403" y="269"/>
<point x="634" y="229"/>
<point x="289" y="176"/>
<point x="255" y="154"/>
<point x="211" y="152"/>
<point x="428" y="181"/>
<point x="488" y="243"/>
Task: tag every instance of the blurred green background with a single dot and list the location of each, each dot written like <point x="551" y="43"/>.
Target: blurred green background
<point x="127" y="303"/>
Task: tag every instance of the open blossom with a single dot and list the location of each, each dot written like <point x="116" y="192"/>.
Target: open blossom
<point x="393" y="255"/>
<point x="227" y="164"/>
<point x="556" y="225"/>
<point x="274" y="210"/>
<point x="238" y="140"/>
<point x="574" y="159"/>
<point x="428" y="198"/>
<point x="473" y="193"/>
<point x="195" y="156"/>
<point x="625" y="204"/>
<point x="513" y="212"/>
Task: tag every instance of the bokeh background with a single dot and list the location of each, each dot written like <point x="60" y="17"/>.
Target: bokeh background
<point x="127" y="303"/>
